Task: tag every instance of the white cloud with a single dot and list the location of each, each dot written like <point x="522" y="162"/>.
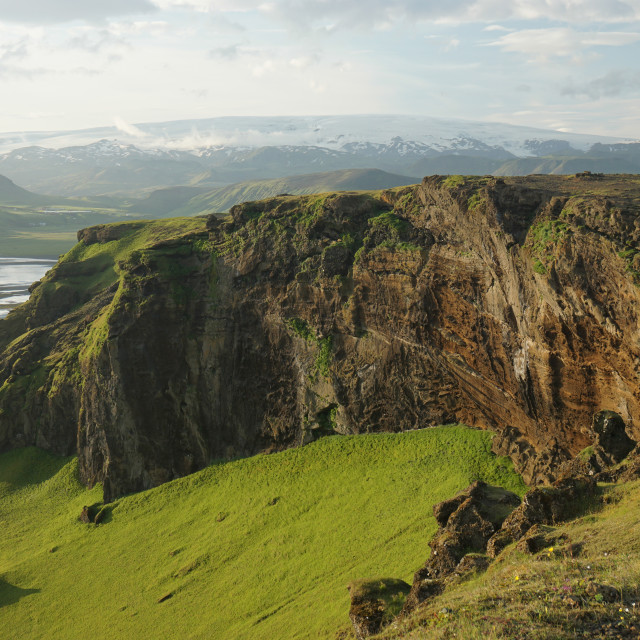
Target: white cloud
<point x="381" y="13"/>
<point x="129" y="129"/>
<point x="304" y="61"/>
<point x="263" y="68"/>
<point x="57" y="11"/>
<point x="561" y="41"/>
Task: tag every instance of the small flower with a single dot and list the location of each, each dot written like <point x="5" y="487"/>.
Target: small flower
<point x="550" y="549"/>
<point x="517" y="578"/>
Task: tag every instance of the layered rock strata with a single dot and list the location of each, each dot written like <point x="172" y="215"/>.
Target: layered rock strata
<point x="152" y="349"/>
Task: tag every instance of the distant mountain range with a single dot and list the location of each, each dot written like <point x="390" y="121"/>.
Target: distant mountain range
<point x="205" y="154"/>
<point x="12" y="194"/>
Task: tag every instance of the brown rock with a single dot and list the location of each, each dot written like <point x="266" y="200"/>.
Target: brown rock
<point x="375" y="602"/>
<point x="421" y="591"/>
<point x="538" y="538"/>
<point x="472" y="563"/>
<point x="467" y="522"/>
<point x="543" y="506"/>
<point x="452" y="310"/>
<point x="611" y="436"/>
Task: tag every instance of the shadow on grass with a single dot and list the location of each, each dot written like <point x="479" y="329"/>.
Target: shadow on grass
<point x="10" y="594"/>
<point x="28" y="466"/>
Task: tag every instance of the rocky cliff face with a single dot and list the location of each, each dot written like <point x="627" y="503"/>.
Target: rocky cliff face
<point x="153" y="348"/>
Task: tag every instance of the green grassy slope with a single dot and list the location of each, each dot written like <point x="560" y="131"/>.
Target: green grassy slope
<point x="223" y="198"/>
<point x="546" y="596"/>
<point x="255" y="548"/>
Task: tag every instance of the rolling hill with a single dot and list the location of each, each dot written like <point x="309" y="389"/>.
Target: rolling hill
<point x="188" y="201"/>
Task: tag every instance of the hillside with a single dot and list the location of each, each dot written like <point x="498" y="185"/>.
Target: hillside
<point x="223" y="198"/>
<point x="583" y="586"/>
<point x="11" y="194"/>
<point x="347" y="313"/>
<point x="255" y="548"/>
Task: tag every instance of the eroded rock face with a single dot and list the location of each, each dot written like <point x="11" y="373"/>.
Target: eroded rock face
<point x="509" y="304"/>
<point x="566" y="499"/>
<point x="611" y="437"/>
<point x="467" y="522"/>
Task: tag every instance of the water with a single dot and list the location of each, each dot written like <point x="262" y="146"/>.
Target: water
<point x="16" y="275"/>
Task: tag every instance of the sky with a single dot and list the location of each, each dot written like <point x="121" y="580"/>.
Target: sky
<point x="569" y="65"/>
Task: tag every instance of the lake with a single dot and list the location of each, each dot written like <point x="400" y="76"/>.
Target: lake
<point x="16" y="274"/>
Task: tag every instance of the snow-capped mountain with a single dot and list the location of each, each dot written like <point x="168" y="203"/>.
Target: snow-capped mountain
<point x="220" y="151"/>
<point x="332" y="132"/>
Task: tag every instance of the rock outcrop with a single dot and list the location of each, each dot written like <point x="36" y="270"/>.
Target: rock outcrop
<point x="510" y="304"/>
<point x="375" y="603"/>
<point x="466" y="524"/>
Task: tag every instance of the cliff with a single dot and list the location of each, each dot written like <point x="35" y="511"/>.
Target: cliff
<point x="511" y="304"/>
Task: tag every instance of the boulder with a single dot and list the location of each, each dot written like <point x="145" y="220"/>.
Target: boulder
<point x="470" y="564"/>
<point x="467" y="522"/>
<point x="375" y="602"/>
<point x="538" y="538"/>
<point x="565" y="499"/>
<point x="421" y="591"/>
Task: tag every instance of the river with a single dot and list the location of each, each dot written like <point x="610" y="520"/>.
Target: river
<point x="16" y="274"/>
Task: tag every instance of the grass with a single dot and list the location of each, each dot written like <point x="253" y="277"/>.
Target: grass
<point x="546" y="595"/>
<point x="28" y="232"/>
<point x="256" y="548"/>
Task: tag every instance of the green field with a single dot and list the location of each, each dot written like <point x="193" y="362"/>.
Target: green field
<point x="28" y="232"/>
<point x="255" y="548"/>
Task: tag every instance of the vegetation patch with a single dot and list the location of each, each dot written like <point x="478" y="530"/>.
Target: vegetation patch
<point x="543" y="238"/>
<point x="348" y="507"/>
<point x="586" y="586"/>
<point x="324" y="345"/>
<point x="476" y="201"/>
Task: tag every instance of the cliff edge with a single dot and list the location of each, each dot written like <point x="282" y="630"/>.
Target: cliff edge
<point x="153" y="348"/>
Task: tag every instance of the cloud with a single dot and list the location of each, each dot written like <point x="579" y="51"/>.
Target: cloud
<point x="612" y="84"/>
<point x="264" y="68"/>
<point x="230" y="52"/>
<point x="304" y="61"/>
<point x="129" y="129"/>
<point x="329" y="15"/>
<point x="57" y="11"/>
<point x="97" y="41"/>
<point x="561" y="41"/>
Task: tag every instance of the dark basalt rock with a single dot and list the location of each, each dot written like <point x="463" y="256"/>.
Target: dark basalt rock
<point x="611" y="437"/>
<point x="467" y="522"/>
<point x="538" y="538"/>
<point x="422" y="590"/>
<point x="85" y="516"/>
<point x="543" y="506"/>
<point x="433" y="299"/>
